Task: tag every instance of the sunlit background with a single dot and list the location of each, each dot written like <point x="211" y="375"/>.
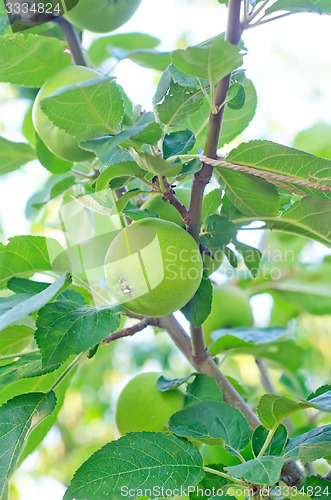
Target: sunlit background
<point x="289" y="64"/>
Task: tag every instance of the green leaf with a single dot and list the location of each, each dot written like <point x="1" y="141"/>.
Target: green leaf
<point x="282" y="160"/>
<point x="249" y="194"/>
<point x="52" y="163"/>
<point x="210" y="203"/>
<point x="213" y="421"/>
<point x="296" y="6"/>
<point x="178" y="143"/>
<point x="139" y="460"/>
<point x="202" y="389"/>
<point x="311" y="445"/>
<point x="252" y="257"/>
<point x="272" y="409"/>
<point x="315" y="140"/>
<point x="35" y="302"/>
<point x="26" y="255"/>
<point x="198" y="308"/>
<point x="14" y="155"/>
<point x="135" y="213"/>
<point x="100" y="49"/>
<point x="316" y="487"/>
<point x="212" y="59"/>
<point x="235" y="121"/>
<point x="65" y="328"/>
<point x="88" y="109"/>
<point x="25" y="367"/>
<point x="308" y="217"/>
<point x="285" y="353"/>
<point x="263" y="470"/>
<point x="104" y="147"/>
<point x="122" y="169"/>
<point x="15" y="338"/>
<point x="276" y="444"/>
<point x="30" y="60"/>
<point x="18" y="417"/>
<point x="164" y="384"/>
<point x="155" y="164"/>
<point x="178" y="105"/>
<point x="232" y="338"/>
<point x="152" y="59"/>
<point x="236" y="96"/>
<point x="124" y="200"/>
<point x="217" y="231"/>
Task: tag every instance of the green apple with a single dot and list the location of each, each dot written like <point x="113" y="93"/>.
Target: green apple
<point x="57" y="140"/>
<point x="142" y="407"/>
<point x="153" y="267"/>
<point x="102" y="16"/>
<point x="230" y="308"/>
<point x="164" y="209"/>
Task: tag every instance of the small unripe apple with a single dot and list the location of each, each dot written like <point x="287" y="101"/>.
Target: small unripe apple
<point x="230" y="308"/>
<point x="153" y="267"/>
<point x="57" y="140"/>
<point x="142" y="407"/>
<point x="164" y="209"/>
<point x="102" y="16"/>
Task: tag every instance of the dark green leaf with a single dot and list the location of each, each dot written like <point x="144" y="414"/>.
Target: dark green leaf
<point x="65" y="328"/>
<point x="277" y="443"/>
<point x="210" y="203"/>
<point x="25" y="367"/>
<point x="236" y="96"/>
<point x="178" y="143"/>
<point x="198" y="308"/>
<point x="212" y="421"/>
<point x="164" y="384"/>
<point x="217" y="231"/>
<point x="201" y="389"/>
<point x="18" y="417"/>
<point x="140" y="460"/>
<point x="252" y="257"/>
<point x="178" y="105"/>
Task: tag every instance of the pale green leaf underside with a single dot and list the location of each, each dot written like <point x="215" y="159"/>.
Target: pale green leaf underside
<point x="263" y="470"/>
<point x="212" y="59"/>
<point x="311" y="445"/>
<point x="137" y="460"/>
<point x="13" y="155"/>
<point x="34" y="302"/>
<point x="30" y="60"/>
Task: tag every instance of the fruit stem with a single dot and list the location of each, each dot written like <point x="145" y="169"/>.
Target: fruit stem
<point x="67" y="371"/>
<point x="73" y="41"/>
<point x="226" y="476"/>
<point x="18" y="354"/>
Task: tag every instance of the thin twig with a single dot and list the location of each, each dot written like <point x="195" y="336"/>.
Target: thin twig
<point x="266" y="382"/>
<point x="67" y="371"/>
<point x="129" y="331"/>
<point x="19" y="354"/>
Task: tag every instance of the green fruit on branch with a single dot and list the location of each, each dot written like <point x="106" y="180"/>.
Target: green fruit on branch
<point x="102" y="16"/>
<point x="153" y="267"/>
<point x="164" y="209"/>
<point x="142" y="407"/>
<point x="230" y="308"/>
<point x="57" y="140"/>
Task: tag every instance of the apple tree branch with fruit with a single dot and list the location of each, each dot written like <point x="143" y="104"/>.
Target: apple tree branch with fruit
<point x="128" y="231"/>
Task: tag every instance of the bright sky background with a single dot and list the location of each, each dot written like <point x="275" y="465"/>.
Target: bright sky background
<point x="289" y="63"/>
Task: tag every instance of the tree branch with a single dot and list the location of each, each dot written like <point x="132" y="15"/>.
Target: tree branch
<point x="73" y="41"/>
<point x="202" y="178"/>
<point x="204" y="363"/>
